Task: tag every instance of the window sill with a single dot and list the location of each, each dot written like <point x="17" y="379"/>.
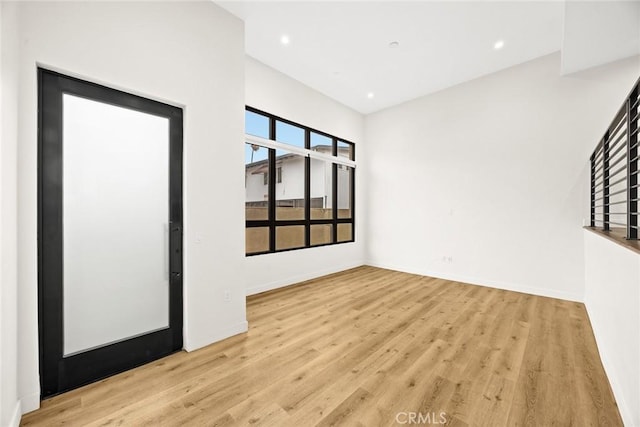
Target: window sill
<point x="617" y="235"/>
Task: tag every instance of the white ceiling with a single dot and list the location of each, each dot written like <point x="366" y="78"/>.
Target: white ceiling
<point x="342" y="48"/>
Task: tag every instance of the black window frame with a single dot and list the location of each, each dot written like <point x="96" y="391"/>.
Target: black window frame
<point x="272" y="223"/>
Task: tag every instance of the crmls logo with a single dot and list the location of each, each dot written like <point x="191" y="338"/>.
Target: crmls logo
<point x="421" y="418"/>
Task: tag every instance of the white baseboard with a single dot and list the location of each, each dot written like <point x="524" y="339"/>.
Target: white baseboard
<point x="30" y="403"/>
<point x="609" y="369"/>
<point x="17" y="415"/>
<point x="628" y="418"/>
<point x="238" y="328"/>
<point x="543" y="292"/>
<point x="300" y="278"/>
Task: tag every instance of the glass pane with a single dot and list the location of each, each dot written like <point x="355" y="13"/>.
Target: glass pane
<point x="321" y="234"/>
<point x="289" y="134"/>
<point x="321" y="189"/>
<point x="345" y="175"/>
<point x="256" y="239"/>
<point x="290" y="237"/>
<point x="345" y="232"/>
<point x="256" y="182"/>
<point x="345" y="150"/>
<point x="321" y="144"/>
<point x="256" y="124"/>
<point x="289" y="185"/>
<point x="115" y="219"/>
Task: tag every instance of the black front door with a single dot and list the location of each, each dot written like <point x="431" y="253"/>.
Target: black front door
<point x="110" y="231"/>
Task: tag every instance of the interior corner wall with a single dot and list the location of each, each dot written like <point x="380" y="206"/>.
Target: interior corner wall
<point x="617" y="37"/>
<point x="612" y="299"/>
<point x="9" y="402"/>
<point x="273" y="92"/>
<point x="189" y="54"/>
<point x="487" y="182"/>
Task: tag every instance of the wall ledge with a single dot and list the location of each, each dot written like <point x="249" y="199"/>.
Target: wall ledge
<point x="617" y="235"/>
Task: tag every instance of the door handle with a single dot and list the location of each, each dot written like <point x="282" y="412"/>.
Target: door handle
<point x="175" y="249"/>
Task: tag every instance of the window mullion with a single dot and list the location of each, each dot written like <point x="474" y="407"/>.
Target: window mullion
<point x="268" y="143"/>
<point x="307" y="191"/>
<point x="353" y="204"/>
<point x="334" y="201"/>
<point x="272" y="188"/>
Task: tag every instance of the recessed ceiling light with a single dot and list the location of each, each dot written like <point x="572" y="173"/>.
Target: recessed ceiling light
<point x="370" y="95"/>
<point x="284" y="40"/>
<point x="394" y="45"/>
<point x="498" y="44"/>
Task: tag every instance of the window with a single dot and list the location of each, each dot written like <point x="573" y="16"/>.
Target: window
<point x="306" y="195"/>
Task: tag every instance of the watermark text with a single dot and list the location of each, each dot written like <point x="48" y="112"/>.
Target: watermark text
<point x="421" y="418"/>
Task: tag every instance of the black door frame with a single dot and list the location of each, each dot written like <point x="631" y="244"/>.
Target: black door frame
<point x="59" y="373"/>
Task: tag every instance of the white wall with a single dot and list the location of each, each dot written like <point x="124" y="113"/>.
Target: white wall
<point x="276" y="93"/>
<point x="9" y="403"/>
<point x="188" y="54"/>
<point x="612" y="298"/>
<point x="492" y="174"/>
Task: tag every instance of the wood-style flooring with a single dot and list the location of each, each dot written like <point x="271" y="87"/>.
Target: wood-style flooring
<point x="369" y="347"/>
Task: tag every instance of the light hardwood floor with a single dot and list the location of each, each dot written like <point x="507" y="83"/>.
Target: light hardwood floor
<point x="369" y="347"/>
